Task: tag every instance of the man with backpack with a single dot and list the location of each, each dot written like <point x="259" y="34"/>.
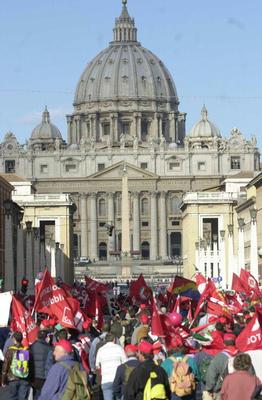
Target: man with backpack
<point x="65" y="379"/>
<point x="148" y="381"/>
<point x="15" y="371"/>
<point x="183" y="374"/>
<point x="123" y="372"/>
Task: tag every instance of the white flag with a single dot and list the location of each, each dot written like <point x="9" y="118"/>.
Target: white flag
<point x="5" y="301"/>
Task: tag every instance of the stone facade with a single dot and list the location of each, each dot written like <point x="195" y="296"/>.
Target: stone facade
<point x="126" y="110"/>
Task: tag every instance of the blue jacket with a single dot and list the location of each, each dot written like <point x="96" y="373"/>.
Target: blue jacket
<point x="56" y="380"/>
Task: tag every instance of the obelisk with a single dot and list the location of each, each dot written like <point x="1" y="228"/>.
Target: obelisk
<point x="126" y="250"/>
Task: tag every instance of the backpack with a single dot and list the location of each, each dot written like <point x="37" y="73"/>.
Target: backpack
<point x="76" y="386"/>
<point x="128" y="370"/>
<point x="154" y="390"/>
<point x="182" y="380"/>
<point x="20" y="362"/>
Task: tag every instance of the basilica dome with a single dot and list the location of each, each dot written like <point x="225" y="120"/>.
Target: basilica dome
<point x="204" y="128"/>
<point x="45" y="130"/>
<point x="125" y="69"/>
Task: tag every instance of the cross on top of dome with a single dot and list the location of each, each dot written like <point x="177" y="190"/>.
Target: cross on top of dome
<point x="124" y="2"/>
<point x="125" y="30"/>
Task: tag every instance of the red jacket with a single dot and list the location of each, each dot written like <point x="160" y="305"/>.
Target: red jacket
<point x="239" y="385"/>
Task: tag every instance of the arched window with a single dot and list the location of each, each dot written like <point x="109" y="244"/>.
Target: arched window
<point x="102" y="208"/>
<point x="175" y="244"/>
<point x="102" y="249"/>
<point x="175" y="203"/>
<point x="144" y="206"/>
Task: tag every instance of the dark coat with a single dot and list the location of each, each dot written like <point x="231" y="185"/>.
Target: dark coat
<point x="40" y="352"/>
<point x="119" y="381"/>
<point x="139" y="377"/>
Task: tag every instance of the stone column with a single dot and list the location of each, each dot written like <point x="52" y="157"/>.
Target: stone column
<point x="222" y="262"/>
<point x="62" y="261"/>
<point x="36" y="251"/>
<point x="163" y="227"/>
<point x="111" y="221"/>
<point x="93" y="227"/>
<point x="160" y="130"/>
<point x="53" y="264"/>
<point x="136" y="222"/>
<point x="139" y="125"/>
<point x="42" y="255"/>
<point x="20" y="268"/>
<point x="78" y="133"/>
<point x="125" y="214"/>
<point x="29" y="258"/>
<point x="83" y="224"/>
<point x="172" y="127"/>
<point x="208" y="259"/>
<point x="154" y="230"/>
<point x="9" y="280"/>
<point x="230" y="257"/>
<point x="253" y="244"/>
<point x="155" y="127"/>
<point x="215" y="260"/>
<point x="58" y="260"/>
<point x="241" y="244"/>
<point x="197" y="255"/>
<point x="69" y="127"/>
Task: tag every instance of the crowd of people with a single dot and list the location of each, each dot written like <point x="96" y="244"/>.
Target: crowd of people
<point x="124" y="359"/>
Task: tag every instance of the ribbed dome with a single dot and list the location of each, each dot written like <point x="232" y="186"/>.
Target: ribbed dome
<point x="45" y="130"/>
<point x="204" y="128"/>
<point x="125" y="69"/>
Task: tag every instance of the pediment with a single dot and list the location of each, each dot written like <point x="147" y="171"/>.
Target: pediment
<point x="116" y="172"/>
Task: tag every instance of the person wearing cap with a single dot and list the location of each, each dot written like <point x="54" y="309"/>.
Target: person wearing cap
<point x="124" y="370"/>
<point x="41" y="352"/>
<point x="57" y="377"/>
<point x="108" y="358"/>
<point x="140" y="375"/>
<point x="219" y="367"/>
<point x="141" y="330"/>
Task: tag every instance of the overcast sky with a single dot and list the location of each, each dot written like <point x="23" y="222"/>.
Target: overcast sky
<point x="212" y="48"/>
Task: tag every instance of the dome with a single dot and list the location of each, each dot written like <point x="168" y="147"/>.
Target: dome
<point x="46" y="130"/>
<point x="204" y="128"/>
<point x="125" y="69"/>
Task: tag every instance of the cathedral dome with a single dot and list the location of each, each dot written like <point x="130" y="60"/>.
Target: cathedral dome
<point x="125" y="69"/>
<point x="45" y="130"/>
<point x="204" y="128"/>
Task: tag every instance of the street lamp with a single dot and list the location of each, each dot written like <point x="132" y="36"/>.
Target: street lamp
<point x="222" y="234"/>
<point x="241" y="223"/>
<point x="230" y="228"/>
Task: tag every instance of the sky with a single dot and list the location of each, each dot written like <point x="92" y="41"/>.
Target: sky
<point x="212" y="48"/>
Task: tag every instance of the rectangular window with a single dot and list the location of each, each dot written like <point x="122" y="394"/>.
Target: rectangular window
<point x="70" y="168"/>
<point x="106" y="129"/>
<point x="174" y="166"/>
<point x="101" y="167"/>
<point x="126" y="128"/>
<point x="201" y="166"/>
<point x="44" y="169"/>
<point x="101" y="224"/>
<point x="145" y="223"/>
<point x="143" y="165"/>
<point x="235" y="162"/>
<point x="10" y="166"/>
<point x="175" y="223"/>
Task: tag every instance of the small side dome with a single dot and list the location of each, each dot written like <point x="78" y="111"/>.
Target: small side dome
<point x="204" y="128"/>
<point x="46" y="130"/>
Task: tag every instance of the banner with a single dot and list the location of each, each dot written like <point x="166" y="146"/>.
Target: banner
<point x="23" y="322"/>
<point x="5" y="301"/>
<point x="251" y="336"/>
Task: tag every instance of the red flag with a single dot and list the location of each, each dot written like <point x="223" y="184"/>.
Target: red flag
<point x="89" y="304"/>
<point x="99" y="311"/>
<point x="209" y="289"/>
<point x="177" y="304"/>
<point x="251" y="336"/>
<point x="156" y="324"/>
<point x="52" y="300"/>
<point x="139" y="291"/>
<point x="237" y="284"/>
<point x="91" y="284"/>
<point x="250" y="283"/>
<point x="200" y="282"/>
<point x="23" y="322"/>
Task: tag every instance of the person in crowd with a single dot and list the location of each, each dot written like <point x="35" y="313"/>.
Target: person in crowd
<point x="40" y="351"/>
<point x="256" y="357"/>
<point x="93" y="349"/>
<point x="57" y="377"/>
<point x="140" y="376"/>
<point x="240" y="384"/>
<point x="108" y="358"/>
<point x="141" y="330"/>
<point x="14" y="376"/>
<point x="124" y="371"/>
<point x="219" y="367"/>
<point x="179" y="354"/>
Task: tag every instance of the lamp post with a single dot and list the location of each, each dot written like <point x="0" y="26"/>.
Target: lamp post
<point x="253" y="243"/>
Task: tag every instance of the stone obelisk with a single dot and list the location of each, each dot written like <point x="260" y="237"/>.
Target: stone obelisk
<point x="126" y="250"/>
